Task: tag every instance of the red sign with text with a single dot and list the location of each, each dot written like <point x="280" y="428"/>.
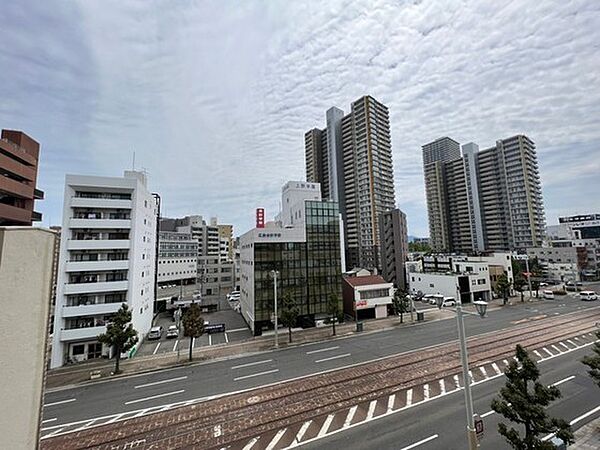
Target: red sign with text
<point x="260" y="217"/>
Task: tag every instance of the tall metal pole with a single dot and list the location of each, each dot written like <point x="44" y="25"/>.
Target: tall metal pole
<point x="464" y="359"/>
<point x="528" y="274"/>
<point x="275" y="291"/>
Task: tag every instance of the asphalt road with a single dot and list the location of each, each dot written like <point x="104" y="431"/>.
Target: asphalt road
<point x="184" y="383"/>
<point x="442" y="423"/>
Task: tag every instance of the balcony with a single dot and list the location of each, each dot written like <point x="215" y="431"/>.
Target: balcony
<point x="90" y="288"/>
<point x="82" y="202"/>
<point x="77" y="334"/>
<point x="92" y="266"/>
<point x="100" y="223"/>
<point x="19" y="216"/>
<point x="90" y="310"/>
<point x="98" y="244"/>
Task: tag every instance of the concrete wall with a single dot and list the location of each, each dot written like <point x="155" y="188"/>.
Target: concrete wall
<point x="26" y="256"/>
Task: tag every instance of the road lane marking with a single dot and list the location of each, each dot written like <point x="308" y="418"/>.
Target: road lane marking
<point x="565" y="345"/>
<point x="323" y="350"/>
<point x="371" y="410"/>
<point x="538" y="354"/>
<point x="409" y="397"/>
<point x="276" y="439"/>
<point x="175" y="345"/>
<point x="250" y="444"/>
<point x="547" y="351"/>
<point x="456" y="381"/>
<point x="193" y="342"/>
<point x="489" y="413"/>
<point x="145" y="399"/>
<point x="483" y="371"/>
<point x="563" y="381"/>
<point x="326" y="424"/>
<point x="571" y="342"/>
<point x="226" y="338"/>
<point x="505" y="361"/>
<point x="345" y="355"/>
<point x="301" y="433"/>
<point x="496" y="368"/>
<point x="210" y="339"/>
<point x="426" y="391"/>
<point x="170" y="380"/>
<point x="60" y="402"/>
<point x="256" y="375"/>
<point x="255" y="363"/>
<point x="114" y="419"/>
<point x="350" y="416"/>
<point x="556" y="348"/>
<point x="391" y="400"/>
<point x="421" y="442"/>
<point x="49" y="420"/>
<point x="156" y="349"/>
<point x="237" y="329"/>
<point x="574" y="421"/>
<point x="442" y="386"/>
<point x="54" y="432"/>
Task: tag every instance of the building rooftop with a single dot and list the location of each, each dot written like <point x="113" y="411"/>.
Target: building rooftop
<point x="365" y="280"/>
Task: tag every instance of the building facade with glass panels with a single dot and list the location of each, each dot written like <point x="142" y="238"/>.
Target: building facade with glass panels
<point x="307" y="258"/>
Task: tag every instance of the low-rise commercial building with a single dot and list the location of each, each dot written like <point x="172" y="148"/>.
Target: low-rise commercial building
<point x="107" y="258"/>
<point x="560" y="263"/>
<point x="367" y="296"/>
<point x="304" y="248"/>
<point x="177" y="258"/>
<point x="26" y="266"/>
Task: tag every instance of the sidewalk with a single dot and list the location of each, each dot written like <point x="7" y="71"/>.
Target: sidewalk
<point x="588" y="436"/>
<point x="77" y="374"/>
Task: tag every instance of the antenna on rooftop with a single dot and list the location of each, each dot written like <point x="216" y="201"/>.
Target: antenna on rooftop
<point x="133" y="162"/>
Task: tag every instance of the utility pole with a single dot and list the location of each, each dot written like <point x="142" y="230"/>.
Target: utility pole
<point x="275" y="272"/>
<point x="464" y="359"/>
<point x="526" y="257"/>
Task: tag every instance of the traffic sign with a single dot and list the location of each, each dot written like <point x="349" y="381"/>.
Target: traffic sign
<point x="479" y="428"/>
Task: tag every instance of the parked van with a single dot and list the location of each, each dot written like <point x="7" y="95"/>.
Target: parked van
<point x="548" y="295"/>
<point x="588" y="295"/>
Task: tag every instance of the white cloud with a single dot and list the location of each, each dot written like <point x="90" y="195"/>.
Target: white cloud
<point x="215" y="96"/>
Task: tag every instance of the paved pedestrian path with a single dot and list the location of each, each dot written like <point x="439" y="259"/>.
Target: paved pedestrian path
<point x="588" y="436"/>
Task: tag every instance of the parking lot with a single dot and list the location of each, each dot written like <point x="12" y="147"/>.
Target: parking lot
<point x="235" y="331"/>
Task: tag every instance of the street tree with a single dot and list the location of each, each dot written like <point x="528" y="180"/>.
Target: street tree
<point x="593" y="361"/>
<point x="523" y="400"/>
<point x="289" y="312"/>
<point x="333" y="309"/>
<point x="502" y="287"/>
<point x="519" y="283"/>
<point x="120" y="334"/>
<point x="193" y="324"/>
<point x="401" y="304"/>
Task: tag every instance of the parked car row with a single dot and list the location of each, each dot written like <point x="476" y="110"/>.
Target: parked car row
<point x="432" y="299"/>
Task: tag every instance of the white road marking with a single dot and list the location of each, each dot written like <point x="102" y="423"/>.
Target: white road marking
<point x="571" y="342"/>
<point x="350" y="416"/>
<point x="114" y="419"/>
<point x="193" y="342"/>
<point x="323" y="350"/>
<point x="426" y="391"/>
<point x="49" y="420"/>
<point x="472" y="380"/>
<point x="60" y="402"/>
<point x="456" y="381"/>
<point x="226" y="338"/>
<point x="416" y="444"/>
<point x="576" y="338"/>
<point x="237" y="329"/>
<point x="58" y="430"/>
<point x="390" y="405"/>
<point x="175" y="345"/>
<point x="409" y="397"/>
<point x="325" y="427"/>
<point x="505" y="361"/>
<point x="556" y="348"/>
<point x="210" y="339"/>
<point x="256" y="374"/>
<point x="170" y="380"/>
<point x="538" y="354"/>
<point x="483" y="371"/>
<point x="250" y="444"/>
<point x="156" y="349"/>
<point x="489" y="413"/>
<point x="371" y="410"/>
<point x="496" y="368"/>
<point x="442" y="386"/>
<point x="547" y="351"/>
<point x="276" y="439"/>
<point x="154" y="396"/>
<point x="301" y="433"/>
<point x="563" y="381"/>
<point x="565" y="345"/>
<point x="217" y="430"/>
<point x="575" y="420"/>
<point x="255" y="363"/>
<point x="345" y="355"/>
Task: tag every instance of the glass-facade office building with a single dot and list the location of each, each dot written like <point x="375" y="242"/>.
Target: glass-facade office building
<point x="310" y="271"/>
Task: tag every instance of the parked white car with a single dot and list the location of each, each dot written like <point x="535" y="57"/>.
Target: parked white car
<point x="449" y="301"/>
<point x="588" y="295"/>
<point x="548" y="295"/>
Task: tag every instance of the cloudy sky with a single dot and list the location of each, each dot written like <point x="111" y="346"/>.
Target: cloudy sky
<point x="214" y="97"/>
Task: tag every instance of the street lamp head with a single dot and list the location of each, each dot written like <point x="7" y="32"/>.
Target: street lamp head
<point x="481" y="307"/>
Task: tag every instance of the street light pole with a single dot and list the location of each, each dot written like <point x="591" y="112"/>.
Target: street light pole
<point x="528" y="274"/>
<point x="464" y="358"/>
<point x="274" y="272"/>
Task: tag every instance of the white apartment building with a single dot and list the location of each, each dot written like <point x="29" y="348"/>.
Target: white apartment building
<point x="107" y="258"/>
<point x="177" y="258"/>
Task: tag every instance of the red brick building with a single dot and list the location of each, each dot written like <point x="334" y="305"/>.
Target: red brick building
<point x="19" y="156"/>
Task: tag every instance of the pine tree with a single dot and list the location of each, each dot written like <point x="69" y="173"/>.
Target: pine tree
<point x="193" y="324"/>
<point x="119" y="334"/>
<point x="289" y="313"/>
<point x="523" y="400"/>
<point x="333" y="309"/>
<point x="593" y="361"/>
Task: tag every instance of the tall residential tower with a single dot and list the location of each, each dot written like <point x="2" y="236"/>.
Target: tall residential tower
<point x="352" y="159"/>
